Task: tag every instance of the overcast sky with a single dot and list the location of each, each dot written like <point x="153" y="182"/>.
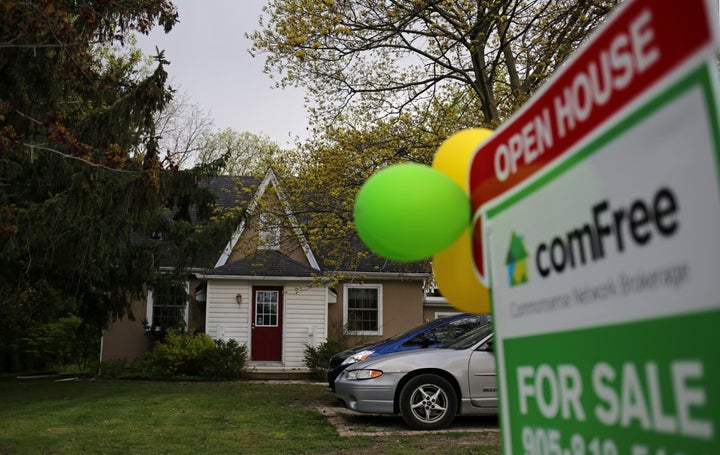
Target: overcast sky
<point x="210" y="62"/>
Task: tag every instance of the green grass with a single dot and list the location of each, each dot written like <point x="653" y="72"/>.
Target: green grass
<point x="127" y="417"/>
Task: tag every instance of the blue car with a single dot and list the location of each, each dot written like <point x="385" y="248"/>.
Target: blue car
<point x="429" y="335"/>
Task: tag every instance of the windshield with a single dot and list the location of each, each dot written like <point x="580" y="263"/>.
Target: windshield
<point x="419" y="328"/>
<point x="469" y="339"/>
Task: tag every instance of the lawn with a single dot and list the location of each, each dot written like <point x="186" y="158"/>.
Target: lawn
<point x="127" y="417"/>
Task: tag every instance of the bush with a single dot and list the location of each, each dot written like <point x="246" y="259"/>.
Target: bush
<point x="180" y="354"/>
<point x="227" y="361"/>
<point x="192" y="355"/>
<point x="112" y="368"/>
<point x="318" y="358"/>
<point x="64" y="341"/>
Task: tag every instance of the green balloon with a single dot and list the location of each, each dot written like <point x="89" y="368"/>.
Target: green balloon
<point x="408" y="212"/>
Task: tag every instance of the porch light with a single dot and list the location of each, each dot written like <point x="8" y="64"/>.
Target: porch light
<point x="238" y="299"/>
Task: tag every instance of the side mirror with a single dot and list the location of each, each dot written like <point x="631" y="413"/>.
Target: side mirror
<point x="489" y="346"/>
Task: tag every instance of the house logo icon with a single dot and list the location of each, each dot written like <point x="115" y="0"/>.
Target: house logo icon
<point x="516" y="261"/>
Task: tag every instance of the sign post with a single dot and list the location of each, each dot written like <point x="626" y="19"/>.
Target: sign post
<point x="596" y="225"/>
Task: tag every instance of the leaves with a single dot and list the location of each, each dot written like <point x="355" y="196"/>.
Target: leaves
<point x="387" y="56"/>
<point x="86" y="197"/>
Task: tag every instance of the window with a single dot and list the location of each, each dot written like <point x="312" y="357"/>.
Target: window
<point x="269" y="231"/>
<point x="167" y="306"/>
<point x="266" y="308"/>
<point x="363" y="309"/>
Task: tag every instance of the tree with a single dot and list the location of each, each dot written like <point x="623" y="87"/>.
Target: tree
<point x="182" y="128"/>
<point x="85" y="196"/>
<point x="334" y="166"/>
<point x="391" y="80"/>
<point x="382" y="57"/>
<point x="243" y="153"/>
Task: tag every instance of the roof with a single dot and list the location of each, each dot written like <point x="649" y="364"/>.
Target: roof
<point x="354" y="256"/>
<point x="225" y="190"/>
<point x="264" y="263"/>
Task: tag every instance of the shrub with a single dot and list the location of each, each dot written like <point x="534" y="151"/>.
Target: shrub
<point x="197" y="355"/>
<point x="180" y="354"/>
<point x="112" y="368"/>
<point x="227" y="361"/>
<point x="318" y="358"/>
<point x="66" y="340"/>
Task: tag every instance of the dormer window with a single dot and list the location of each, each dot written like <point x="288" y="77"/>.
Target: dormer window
<point x="269" y="232"/>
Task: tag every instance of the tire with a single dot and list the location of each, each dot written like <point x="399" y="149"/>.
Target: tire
<point x="428" y="402"/>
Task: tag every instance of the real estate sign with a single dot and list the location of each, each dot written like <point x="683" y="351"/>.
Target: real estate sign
<point x="597" y="225"/>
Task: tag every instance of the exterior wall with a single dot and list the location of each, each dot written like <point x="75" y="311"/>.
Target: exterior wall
<point x="196" y="315"/>
<point x="402" y="309"/>
<point x="435" y="311"/>
<point x="125" y="339"/>
<point x="304" y="316"/>
<point x="304" y="322"/>
<point x="224" y="318"/>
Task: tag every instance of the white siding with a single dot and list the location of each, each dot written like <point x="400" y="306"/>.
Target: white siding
<point x="224" y="318"/>
<point x="305" y="312"/>
<point x="304" y="316"/>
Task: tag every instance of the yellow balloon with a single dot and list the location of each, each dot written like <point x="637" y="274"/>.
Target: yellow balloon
<point x="453" y="156"/>
<point x="453" y="267"/>
<point x="455" y="278"/>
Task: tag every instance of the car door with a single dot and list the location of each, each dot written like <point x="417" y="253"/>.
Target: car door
<point x="482" y="376"/>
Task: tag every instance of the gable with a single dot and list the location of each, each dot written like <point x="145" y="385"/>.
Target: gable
<point x="268" y="199"/>
<point x="327" y="255"/>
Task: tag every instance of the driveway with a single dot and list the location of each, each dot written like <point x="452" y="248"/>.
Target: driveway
<point x="351" y="423"/>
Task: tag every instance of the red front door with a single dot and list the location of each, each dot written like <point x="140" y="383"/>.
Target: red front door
<point x="266" y="340"/>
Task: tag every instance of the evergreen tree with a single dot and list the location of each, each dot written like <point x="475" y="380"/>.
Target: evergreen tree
<point x="89" y="209"/>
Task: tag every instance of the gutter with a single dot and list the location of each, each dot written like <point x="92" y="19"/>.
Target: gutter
<point x="354" y="275"/>
<point x="202" y="276"/>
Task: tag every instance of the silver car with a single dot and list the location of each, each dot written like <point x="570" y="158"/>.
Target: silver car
<point x="427" y="387"/>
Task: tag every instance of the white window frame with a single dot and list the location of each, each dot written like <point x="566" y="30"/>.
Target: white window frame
<point x="379" y="287"/>
<point x="149" y="307"/>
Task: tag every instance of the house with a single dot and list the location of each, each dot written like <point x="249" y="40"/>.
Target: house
<point x="271" y="290"/>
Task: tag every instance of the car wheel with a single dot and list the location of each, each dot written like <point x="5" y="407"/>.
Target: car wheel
<point x="428" y="402"/>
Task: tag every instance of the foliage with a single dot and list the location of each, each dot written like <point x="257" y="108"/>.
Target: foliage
<point x="63" y="341"/>
<point x="382" y="57"/>
<point x="89" y="209"/>
<point x="227" y="361"/>
<point x="331" y="170"/>
<point x="112" y="368"/>
<point x="180" y="354"/>
<point x="242" y="153"/>
<point x="390" y="81"/>
<point x="194" y="355"/>
<point x="318" y="358"/>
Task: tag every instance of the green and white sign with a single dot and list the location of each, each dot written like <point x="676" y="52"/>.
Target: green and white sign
<point x="598" y="207"/>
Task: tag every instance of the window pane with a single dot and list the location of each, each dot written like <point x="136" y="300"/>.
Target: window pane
<point x="168" y="306"/>
<point x="266" y="308"/>
<point x="363" y="309"/>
